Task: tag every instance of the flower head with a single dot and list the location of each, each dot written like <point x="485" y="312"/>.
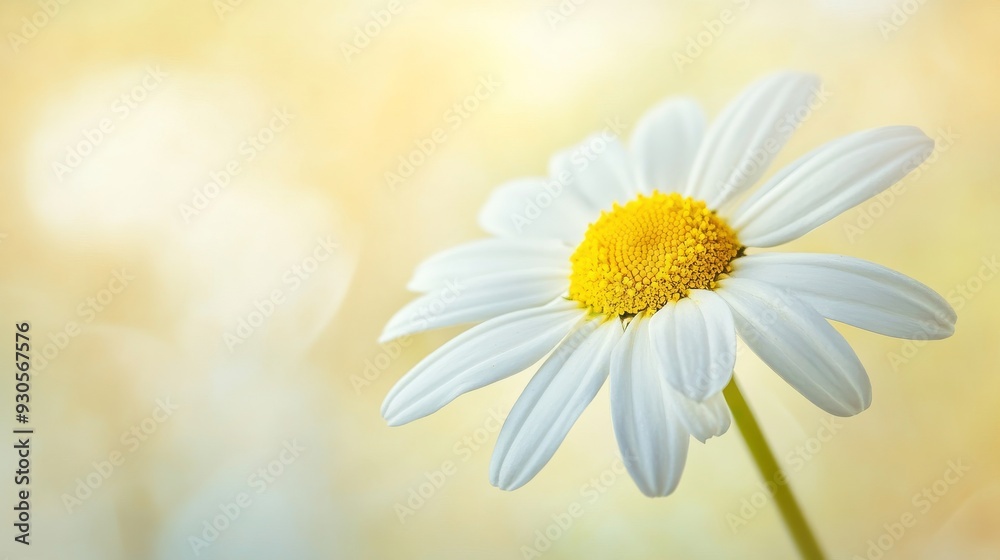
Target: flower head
<point x="631" y="264"/>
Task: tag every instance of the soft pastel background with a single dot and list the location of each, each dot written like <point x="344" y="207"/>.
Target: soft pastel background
<point x="200" y="77"/>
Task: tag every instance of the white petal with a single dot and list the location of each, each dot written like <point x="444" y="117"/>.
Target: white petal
<point x="825" y="182"/>
<point x="704" y="419"/>
<point x="664" y="144"/>
<point x="653" y="442"/>
<point x="477" y="299"/>
<point x="552" y="402"/>
<point x="799" y="345"/>
<point x="745" y="138"/>
<point x="535" y="207"/>
<point x="694" y="341"/>
<point x="481" y="355"/>
<point x="489" y="256"/>
<point x="599" y="171"/>
<point x="856" y="292"/>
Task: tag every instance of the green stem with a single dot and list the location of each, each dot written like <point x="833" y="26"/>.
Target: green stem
<point x="773" y="476"/>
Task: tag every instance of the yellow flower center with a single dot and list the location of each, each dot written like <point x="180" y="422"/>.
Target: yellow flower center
<point x="650" y="252"/>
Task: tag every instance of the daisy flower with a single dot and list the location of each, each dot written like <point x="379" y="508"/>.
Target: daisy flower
<point x="633" y="263"/>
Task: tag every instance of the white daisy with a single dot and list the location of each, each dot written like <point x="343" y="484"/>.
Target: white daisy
<point x="631" y="264"/>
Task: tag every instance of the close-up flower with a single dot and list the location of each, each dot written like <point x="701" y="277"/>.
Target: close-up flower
<point x="248" y="245"/>
<point x="641" y="264"/>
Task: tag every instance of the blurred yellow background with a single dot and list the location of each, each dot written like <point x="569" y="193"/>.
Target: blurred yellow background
<point x="196" y="219"/>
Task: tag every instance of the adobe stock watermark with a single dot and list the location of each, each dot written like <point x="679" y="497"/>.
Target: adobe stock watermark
<point x="92" y="137"/>
<point x="562" y="522"/>
<point x="31" y="26"/>
<point x="377" y="365"/>
<point x="249" y="149"/>
<point x="582" y="157"/>
<point x="365" y="33"/>
<point x="291" y="280"/>
<point x="131" y="440"/>
<point x="454" y="118"/>
<point x="87" y="311"/>
<point x="433" y="480"/>
<point x="784" y="126"/>
<point x="225" y="7"/>
<point x="560" y="12"/>
<point x="876" y="207"/>
<point x="898" y="16"/>
<point x="921" y="502"/>
<point x="712" y="29"/>
<point x="959" y="296"/>
<point x="257" y="483"/>
<point x="795" y="460"/>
